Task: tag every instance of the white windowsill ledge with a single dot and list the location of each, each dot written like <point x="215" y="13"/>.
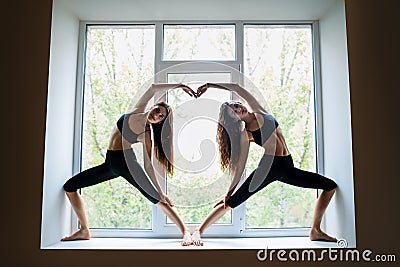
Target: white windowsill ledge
<point x="209" y="243"/>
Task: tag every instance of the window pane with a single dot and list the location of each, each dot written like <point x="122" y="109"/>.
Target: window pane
<point x="278" y="60"/>
<point x="197" y="183"/>
<point x="199" y="42"/>
<point x="118" y="61"/>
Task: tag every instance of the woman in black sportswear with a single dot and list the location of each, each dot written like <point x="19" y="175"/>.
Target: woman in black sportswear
<point x="237" y="127"/>
<point x="151" y="127"/>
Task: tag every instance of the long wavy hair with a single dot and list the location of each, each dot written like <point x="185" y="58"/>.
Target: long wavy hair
<point x="163" y="139"/>
<point x="228" y="138"/>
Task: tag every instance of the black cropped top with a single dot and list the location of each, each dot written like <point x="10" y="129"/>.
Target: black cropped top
<point x="262" y="134"/>
<point x="126" y="132"/>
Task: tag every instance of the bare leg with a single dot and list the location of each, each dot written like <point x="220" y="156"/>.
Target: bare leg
<point x="173" y="215"/>
<point x="214" y="216"/>
<point x="79" y="208"/>
<point x="316" y="234"/>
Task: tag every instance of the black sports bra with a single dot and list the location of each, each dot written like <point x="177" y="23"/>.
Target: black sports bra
<point x="124" y="129"/>
<point x="262" y="134"/>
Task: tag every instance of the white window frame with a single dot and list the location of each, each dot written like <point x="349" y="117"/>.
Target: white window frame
<point x="164" y="67"/>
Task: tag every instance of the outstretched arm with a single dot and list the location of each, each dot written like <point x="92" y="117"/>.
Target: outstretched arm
<point x="148" y="166"/>
<point x="239" y="166"/>
<point x="246" y="95"/>
<point x="159" y="87"/>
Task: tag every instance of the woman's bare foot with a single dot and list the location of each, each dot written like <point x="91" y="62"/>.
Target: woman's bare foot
<point x="196" y="239"/>
<point x="187" y="240"/>
<point x="81" y="234"/>
<point x="319" y="235"/>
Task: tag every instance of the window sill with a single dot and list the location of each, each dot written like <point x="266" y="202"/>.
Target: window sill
<point x="209" y="243"/>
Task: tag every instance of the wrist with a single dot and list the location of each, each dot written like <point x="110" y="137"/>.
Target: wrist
<point x="178" y="85"/>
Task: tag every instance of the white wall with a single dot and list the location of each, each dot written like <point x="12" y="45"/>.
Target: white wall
<point x="128" y="10"/>
<point x="340" y="215"/>
<point x="59" y="123"/>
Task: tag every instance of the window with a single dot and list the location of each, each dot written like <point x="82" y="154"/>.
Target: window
<point x="199" y="42"/>
<point x="118" y="60"/>
<point x="66" y="120"/>
<point x="276" y="60"/>
<point x="195" y="185"/>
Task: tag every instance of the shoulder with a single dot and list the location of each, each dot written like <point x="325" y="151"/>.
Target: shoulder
<point x="261" y="113"/>
<point x="265" y="115"/>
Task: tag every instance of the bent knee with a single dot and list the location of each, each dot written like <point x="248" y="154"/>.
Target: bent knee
<point x="331" y="186"/>
<point x="69" y="189"/>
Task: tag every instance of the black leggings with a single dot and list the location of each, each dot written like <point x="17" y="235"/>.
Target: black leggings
<point x="118" y="163"/>
<point x="278" y="168"/>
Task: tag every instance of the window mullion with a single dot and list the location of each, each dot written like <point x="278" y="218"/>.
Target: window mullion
<point x="158" y="48"/>
<point x="239" y="30"/>
<point x="319" y="140"/>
